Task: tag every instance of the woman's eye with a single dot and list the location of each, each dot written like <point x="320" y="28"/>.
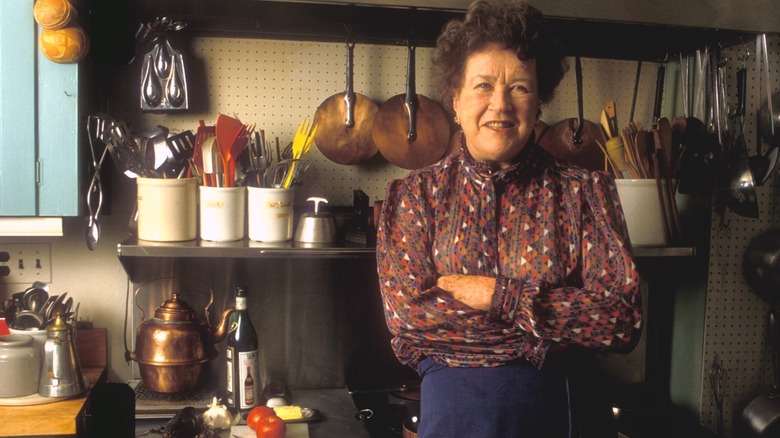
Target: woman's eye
<point x="520" y="89"/>
<point x="484" y="86"/>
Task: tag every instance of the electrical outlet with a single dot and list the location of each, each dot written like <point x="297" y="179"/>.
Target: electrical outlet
<point x="26" y="263"/>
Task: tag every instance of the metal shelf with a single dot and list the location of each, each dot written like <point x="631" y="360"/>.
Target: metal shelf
<point x="664" y="251"/>
<point x="250" y="249"/>
<point x="394" y="25"/>
<point x="650" y="259"/>
<point x="239" y="249"/>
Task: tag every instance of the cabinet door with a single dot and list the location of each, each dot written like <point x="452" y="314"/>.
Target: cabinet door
<point x="59" y="129"/>
<point x="17" y="109"/>
<point x="39" y="122"/>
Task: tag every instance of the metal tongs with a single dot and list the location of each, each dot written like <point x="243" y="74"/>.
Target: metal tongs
<point x="94" y="198"/>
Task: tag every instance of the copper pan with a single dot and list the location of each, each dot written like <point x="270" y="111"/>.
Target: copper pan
<point x="344" y="123"/>
<point x="575" y="140"/>
<point x="410" y="130"/>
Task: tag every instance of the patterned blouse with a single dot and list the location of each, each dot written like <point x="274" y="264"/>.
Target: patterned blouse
<point x="553" y="236"/>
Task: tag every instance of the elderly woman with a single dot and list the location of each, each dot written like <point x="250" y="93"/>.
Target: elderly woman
<point x="502" y="269"/>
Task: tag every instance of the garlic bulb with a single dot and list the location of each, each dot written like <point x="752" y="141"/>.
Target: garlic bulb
<point x="217" y="416"/>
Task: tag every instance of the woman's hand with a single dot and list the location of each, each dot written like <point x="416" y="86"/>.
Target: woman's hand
<point x="474" y="291"/>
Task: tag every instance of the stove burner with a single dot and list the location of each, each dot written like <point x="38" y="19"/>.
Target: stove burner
<point x="151" y="404"/>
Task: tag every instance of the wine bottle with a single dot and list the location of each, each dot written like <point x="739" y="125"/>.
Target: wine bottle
<point x="242" y="357"/>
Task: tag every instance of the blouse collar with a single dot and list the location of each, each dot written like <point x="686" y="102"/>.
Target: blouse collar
<point x="527" y="158"/>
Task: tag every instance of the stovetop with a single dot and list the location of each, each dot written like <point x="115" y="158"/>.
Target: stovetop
<point x="151" y="404"/>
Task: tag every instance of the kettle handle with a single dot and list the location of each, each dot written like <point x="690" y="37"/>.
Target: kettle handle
<point x="141" y="286"/>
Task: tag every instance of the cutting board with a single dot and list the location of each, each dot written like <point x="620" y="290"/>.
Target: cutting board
<point x="294" y="430"/>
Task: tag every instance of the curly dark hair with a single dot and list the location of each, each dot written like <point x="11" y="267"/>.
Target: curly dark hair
<point x="512" y="24"/>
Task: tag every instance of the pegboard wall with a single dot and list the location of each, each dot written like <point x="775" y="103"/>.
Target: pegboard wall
<point x="736" y="318"/>
<point x="276" y="84"/>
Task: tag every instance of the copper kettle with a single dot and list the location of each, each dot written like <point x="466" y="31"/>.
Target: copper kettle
<point x="172" y="348"/>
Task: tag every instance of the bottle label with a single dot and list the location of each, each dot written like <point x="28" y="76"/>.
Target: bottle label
<point x="245" y="380"/>
<point x="231" y="398"/>
<point x="240" y="303"/>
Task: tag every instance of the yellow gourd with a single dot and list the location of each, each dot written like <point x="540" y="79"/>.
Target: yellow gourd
<point x="53" y="14"/>
<point x="66" y="45"/>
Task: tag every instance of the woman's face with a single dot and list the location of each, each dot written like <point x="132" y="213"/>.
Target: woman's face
<point x="497" y="104"/>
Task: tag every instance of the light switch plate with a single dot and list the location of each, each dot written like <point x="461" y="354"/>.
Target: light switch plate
<point x="27" y="263"/>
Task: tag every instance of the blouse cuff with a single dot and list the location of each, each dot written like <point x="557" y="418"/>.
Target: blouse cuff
<point x="506" y="297"/>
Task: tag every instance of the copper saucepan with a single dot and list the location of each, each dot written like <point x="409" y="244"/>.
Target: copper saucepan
<point x="344" y="123"/>
<point x="575" y="140"/>
<point x="411" y="131"/>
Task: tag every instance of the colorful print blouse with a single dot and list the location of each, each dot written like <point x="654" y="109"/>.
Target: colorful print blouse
<point x="553" y="236"/>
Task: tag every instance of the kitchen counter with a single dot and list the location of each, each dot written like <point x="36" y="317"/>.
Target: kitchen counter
<point x="61" y="418"/>
<point x="335" y="407"/>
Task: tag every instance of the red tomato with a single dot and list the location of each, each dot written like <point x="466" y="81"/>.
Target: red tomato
<point x="256" y="414"/>
<point x="271" y="427"/>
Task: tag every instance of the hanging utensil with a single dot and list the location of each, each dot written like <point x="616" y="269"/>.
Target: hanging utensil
<point x="95" y="189"/>
<point x="657" y="155"/>
<point x="662" y="164"/>
<point x="717" y="379"/>
<point x="410" y="130"/>
<point x="761" y="417"/>
<point x="345" y="121"/>
<point x="741" y="190"/>
<point x="576" y="140"/>
<point x="768" y="126"/>
<point x="759" y="163"/>
<point x="163" y="76"/>
<point x="700" y="153"/>
<point x="151" y="89"/>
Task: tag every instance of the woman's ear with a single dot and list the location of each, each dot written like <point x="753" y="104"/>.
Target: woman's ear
<point x="454" y="104"/>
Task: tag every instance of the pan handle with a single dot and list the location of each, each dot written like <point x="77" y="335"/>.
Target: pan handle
<point x="577" y="137"/>
<point x="659" y="92"/>
<point x="349" y="94"/>
<point x="411" y="94"/>
<point x="741" y="91"/>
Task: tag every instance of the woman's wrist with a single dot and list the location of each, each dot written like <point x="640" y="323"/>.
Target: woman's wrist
<point x="505" y="299"/>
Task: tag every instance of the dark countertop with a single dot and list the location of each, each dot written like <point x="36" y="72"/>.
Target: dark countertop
<point x="336" y="415"/>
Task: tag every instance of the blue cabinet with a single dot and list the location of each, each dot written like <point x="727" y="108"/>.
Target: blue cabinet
<point x="39" y="122"/>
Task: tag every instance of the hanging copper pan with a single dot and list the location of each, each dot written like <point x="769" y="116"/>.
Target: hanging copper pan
<point x="344" y="123"/>
<point x="411" y="131"/>
<point x="575" y="140"/>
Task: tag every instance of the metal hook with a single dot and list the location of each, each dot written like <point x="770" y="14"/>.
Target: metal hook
<point x="350" y="40"/>
<point x="747" y="53"/>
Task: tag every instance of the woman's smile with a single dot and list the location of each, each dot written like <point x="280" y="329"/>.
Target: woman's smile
<point x="497" y="104"/>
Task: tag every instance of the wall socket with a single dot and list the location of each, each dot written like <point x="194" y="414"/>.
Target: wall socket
<point x="25" y="263"/>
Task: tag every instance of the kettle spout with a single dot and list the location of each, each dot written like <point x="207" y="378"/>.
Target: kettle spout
<point x="222" y="329"/>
